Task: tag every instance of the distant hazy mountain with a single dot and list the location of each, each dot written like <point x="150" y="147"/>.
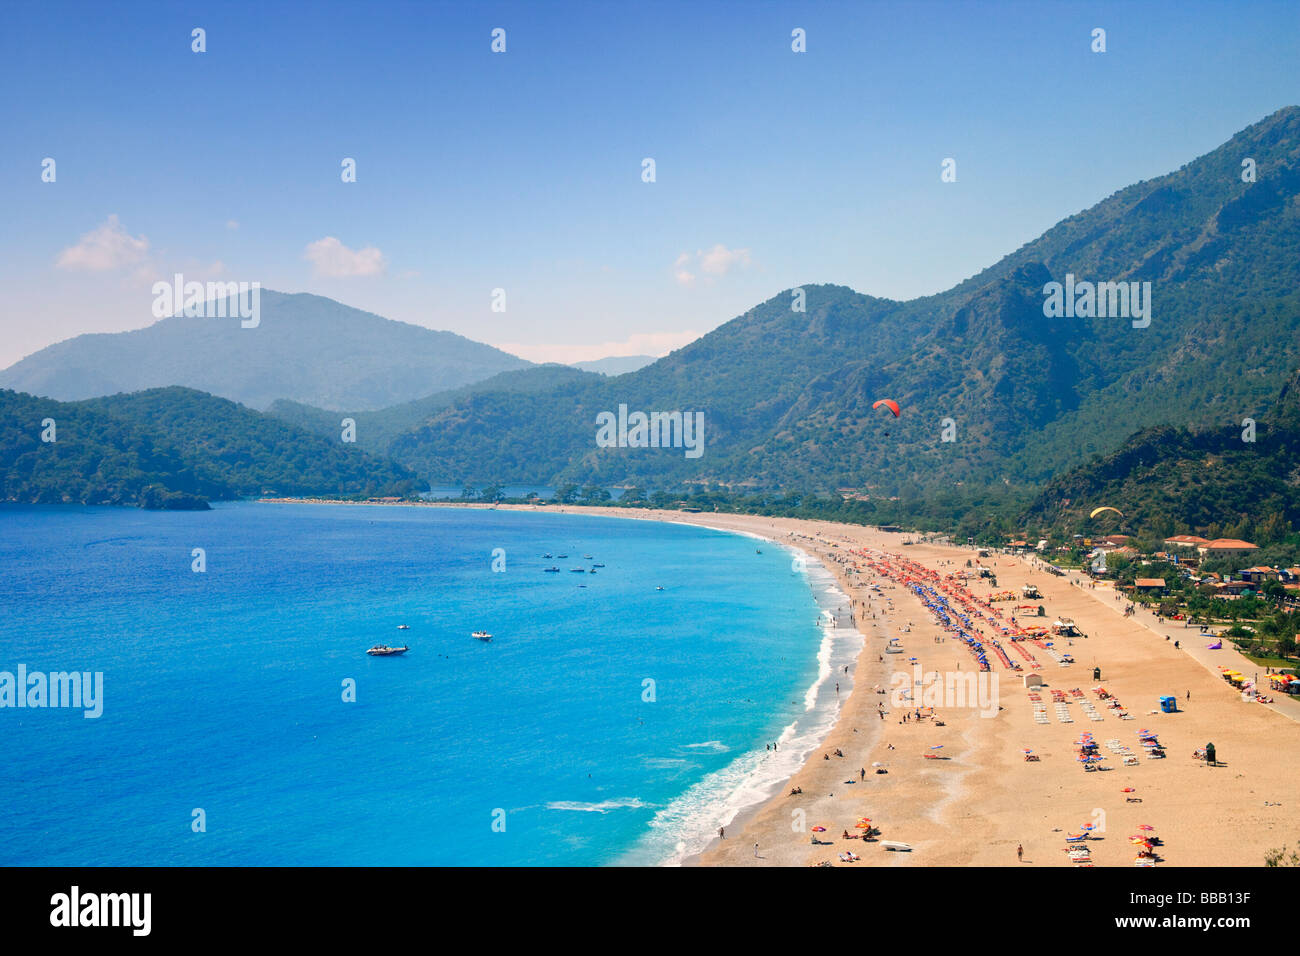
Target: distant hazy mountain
<point x="616" y="364"/>
<point x="306" y="349"/>
<point x="173" y="447"/>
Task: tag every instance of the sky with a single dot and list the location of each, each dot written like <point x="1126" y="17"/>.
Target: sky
<point x="522" y="170"/>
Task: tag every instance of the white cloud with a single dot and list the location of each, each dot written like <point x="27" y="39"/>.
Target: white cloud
<point x="717" y="261"/>
<point x="107" y="247"/>
<point x="642" y="343"/>
<point x="330" y="258"/>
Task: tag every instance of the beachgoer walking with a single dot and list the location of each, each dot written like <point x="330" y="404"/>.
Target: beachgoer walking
<point x="1020" y="853"/>
<point x="756" y="851"/>
<point x="722" y="833"/>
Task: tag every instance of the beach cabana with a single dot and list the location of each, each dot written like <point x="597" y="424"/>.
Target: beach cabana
<point x="1169" y="704"/>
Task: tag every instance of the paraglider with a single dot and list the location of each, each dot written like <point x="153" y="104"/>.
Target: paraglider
<point x="1097" y="511"/>
<point x="890" y="404"/>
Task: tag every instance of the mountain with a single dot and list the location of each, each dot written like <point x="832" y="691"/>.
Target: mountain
<point x="306" y="348"/>
<point x="788" y="396"/>
<point x="1229" y="481"/>
<point x="376" y="430"/>
<point x="173" y="447"/>
<point x="616" y="364"/>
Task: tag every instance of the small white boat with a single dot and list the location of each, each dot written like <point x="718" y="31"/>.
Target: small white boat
<point x="481" y="636"/>
<point x="403" y="627"/>
<point x="893" y="845"/>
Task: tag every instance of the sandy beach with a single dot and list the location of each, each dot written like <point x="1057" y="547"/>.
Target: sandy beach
<point x="976" y="799"/>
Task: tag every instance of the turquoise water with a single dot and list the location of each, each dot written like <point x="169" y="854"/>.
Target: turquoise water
<point x="223" y="690"/>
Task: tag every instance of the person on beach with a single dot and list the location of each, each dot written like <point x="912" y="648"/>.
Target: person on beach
<point x="1020" y="853"/>
<point x="722" y="833"/>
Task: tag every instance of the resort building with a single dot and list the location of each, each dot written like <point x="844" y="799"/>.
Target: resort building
<point x="1226" y="547"/>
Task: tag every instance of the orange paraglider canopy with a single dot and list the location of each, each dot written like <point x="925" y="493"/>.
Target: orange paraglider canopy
<point x="890" y="404"/>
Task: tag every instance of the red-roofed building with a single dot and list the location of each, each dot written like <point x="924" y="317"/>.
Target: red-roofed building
<point x="1221" y="547"/>
<point x="1185" y="541"/>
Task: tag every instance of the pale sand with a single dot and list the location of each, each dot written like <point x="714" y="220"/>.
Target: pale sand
<point x="974" y="808"/>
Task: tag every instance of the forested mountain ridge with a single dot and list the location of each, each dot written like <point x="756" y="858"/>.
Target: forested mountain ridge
<point x="788" y="395"/>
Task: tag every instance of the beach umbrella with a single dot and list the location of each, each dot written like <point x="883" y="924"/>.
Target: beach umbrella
<point x="819" y="829"/>
<point x="1143" y="826"/>
<point x="936" y="746"/>
<point x="1088" y="826"/>
<point x="1128" y="790"/>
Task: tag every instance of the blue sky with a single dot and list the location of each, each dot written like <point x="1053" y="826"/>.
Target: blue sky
<point x="522" y="170"/>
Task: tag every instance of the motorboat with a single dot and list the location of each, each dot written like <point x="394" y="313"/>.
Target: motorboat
<point x="551" y="570"/>
<point x="483" y="636"/>
<point x="383" y="650"/>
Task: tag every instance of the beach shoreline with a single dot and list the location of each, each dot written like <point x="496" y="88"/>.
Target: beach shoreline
<point x="981" y="800"/>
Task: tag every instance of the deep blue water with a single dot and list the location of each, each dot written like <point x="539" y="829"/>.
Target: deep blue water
<point x="223" y="690"/>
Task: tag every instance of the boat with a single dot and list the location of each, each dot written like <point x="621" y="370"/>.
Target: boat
<point x="561" y="555"/>
<point x="895" y="845"/>
<point x="577" y="570"/>
<point x="586" y="557"/>
<point x="383" y="650"/>
<point x="592" y="571"/>
<point x="403" y="627"/>
<point x="659" y="588"/>
<point x="551" y="570"/>
<point x="483" y="636"/>
<point x="597" y="565"/>
<point x="548" y="555"/>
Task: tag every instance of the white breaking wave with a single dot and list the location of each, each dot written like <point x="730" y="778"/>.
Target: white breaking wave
<point x="622" y="803"/>
<point x="713" y="746"/>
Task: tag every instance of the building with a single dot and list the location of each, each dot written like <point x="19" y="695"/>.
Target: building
<point x="1225" y="547"/>
<point x="1149" y="584"/>
<point x="1185" y="541"/>
<point x="1259" y="575"/>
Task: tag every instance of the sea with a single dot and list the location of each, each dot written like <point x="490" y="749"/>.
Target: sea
<point x="615" y="718"/>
